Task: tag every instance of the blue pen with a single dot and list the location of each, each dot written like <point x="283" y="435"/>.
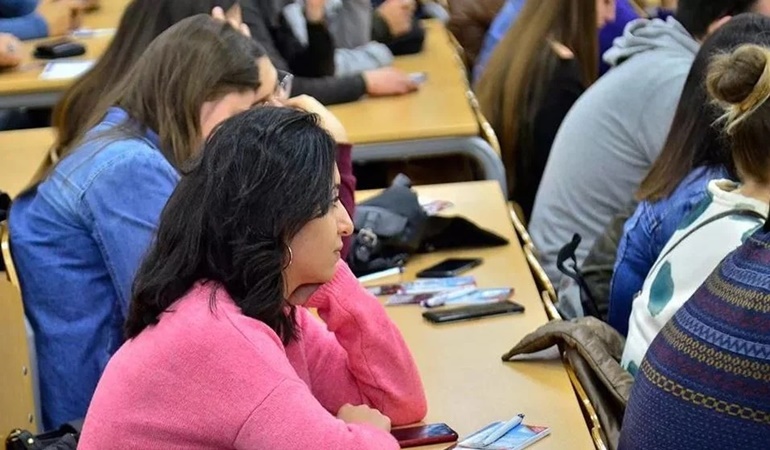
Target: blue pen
<point x="503" y="429"/>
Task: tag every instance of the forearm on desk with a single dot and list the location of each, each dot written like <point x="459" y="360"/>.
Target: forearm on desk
<point x="31" y="26"/>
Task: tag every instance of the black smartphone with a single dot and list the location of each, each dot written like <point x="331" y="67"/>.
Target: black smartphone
<point x="435" y="433"/>
<point x="449" y="268"/>
<point x="61" y="48"/>
<point x="472" y="312"/>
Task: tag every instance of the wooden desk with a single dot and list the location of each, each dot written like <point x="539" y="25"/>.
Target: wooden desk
<point x="21" y="154"/>
<point x="467" y="384"/>
<point x="436" y="120"/>
<point x="107" y="16"/>
<point x="22" y="86"/>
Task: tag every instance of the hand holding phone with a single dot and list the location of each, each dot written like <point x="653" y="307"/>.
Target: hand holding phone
<point x="435" y="433"/>
<point x="451" y="267"/>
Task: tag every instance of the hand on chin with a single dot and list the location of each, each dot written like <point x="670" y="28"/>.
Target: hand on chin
<point x="301" y="295"/>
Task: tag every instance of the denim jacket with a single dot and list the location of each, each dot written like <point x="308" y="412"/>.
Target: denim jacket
<point x="77" y="241"/>
<point x="644" y="236"/>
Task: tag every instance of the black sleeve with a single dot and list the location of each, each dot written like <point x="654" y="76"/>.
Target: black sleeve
<point x="314" y="60"/>
<point x="259" y="25"/>
<point x="331" y="90"/>
<point x="380" y="30"/>
<point x="285" y="51"/>
<point x="564" y="90"/>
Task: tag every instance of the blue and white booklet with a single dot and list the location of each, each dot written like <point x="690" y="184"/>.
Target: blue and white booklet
<point x="518" y="438"/>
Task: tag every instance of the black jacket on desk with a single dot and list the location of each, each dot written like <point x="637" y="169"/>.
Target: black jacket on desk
<point x="312" y="65"/>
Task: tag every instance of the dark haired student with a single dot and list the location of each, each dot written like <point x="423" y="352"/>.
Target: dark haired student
<point x="141" y="22"/>
<point x="704" y="383"/>
<point x="614" y="133"/>
<point x="695" y="153"/>
<point x="222" y="351"/>
<point x="79" y="234"/>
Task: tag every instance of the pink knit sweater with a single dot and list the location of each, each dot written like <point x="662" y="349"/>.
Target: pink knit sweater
<point x="209" y="377"/>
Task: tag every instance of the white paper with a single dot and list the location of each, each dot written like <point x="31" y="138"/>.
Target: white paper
<point x="62" y="70"/>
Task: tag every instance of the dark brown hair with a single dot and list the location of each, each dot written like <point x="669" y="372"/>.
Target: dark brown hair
<point x="197" y="60"/>
<point x="512" y="86"/>
<point x="694" y="140"/>
<point x="142" y="21"/>
<point x="740" y="83"/>
<point x="262" y="176"/>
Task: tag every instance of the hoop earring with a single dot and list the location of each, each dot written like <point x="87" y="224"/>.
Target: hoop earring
<point x="291" y="257"/>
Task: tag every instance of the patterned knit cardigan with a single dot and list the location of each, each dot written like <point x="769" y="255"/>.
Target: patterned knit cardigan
<point x="705" y="381"/>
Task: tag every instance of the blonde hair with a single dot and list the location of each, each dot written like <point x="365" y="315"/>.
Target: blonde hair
<point x="740" y="83"/>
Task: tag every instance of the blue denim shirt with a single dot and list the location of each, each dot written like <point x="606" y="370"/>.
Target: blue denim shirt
<point x="77" y="242"/>
<point x="624" y="13"/>
<point x="644" y="236"/>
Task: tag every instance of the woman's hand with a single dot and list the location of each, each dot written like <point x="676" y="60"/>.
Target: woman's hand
<point x="388" y="81"/>
<point x="302" y="294"/>
<point x="397" y="14"/>
<point x="329" y="121"/>
<point x="61" y="16"/>
<point x="363" y="414"/>
<point x="10" y="50"/>
<point x="315" y="10"/>
<point x="219" y="14"/>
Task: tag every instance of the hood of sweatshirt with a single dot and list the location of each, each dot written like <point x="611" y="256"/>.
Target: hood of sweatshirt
<point x="644" y="35"/>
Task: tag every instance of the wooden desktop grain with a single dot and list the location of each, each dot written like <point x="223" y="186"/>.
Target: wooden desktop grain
<point x="439" y="109"/>
<point x="467" y="384"/>
<point x="25" y="79"/>
<point x="21" y="154"/>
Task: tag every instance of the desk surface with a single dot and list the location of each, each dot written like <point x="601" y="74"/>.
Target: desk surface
<point x="21" y="153"/>
<point x="25" y="79"/>
<point x="439" y="109"/>
<point x="467" y="384"/>
<point x="107" y="16"/>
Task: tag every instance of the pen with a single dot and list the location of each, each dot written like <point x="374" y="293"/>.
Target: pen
<point x="92" y="32"/>
<point x="381" y="274"/>
<point x="503" y="429"/>
<point x="442" y="298"/>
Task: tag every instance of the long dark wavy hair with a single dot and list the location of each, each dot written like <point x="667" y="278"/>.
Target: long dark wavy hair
<point x="261" y="177"/>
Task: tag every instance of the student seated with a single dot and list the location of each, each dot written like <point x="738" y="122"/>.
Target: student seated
<point x="78" y="235"/>
<point x="350" y="25"/>
<point x="506" y="17"/>
<point x="526" y="93"/>
<point x="728" y="215"/>
<point x="693" y="155"/>
<point x="222" y="351"/>
<point x="313" y="63"/>
<point x="704" y="383"/>
<point x="141" y="22"/>
<point x="615" y="131"/>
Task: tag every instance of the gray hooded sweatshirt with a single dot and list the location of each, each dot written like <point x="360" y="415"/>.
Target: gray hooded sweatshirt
<point x="610" y="138"/>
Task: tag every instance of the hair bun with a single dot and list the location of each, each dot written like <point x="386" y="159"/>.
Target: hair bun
<point x="734" y="77"/>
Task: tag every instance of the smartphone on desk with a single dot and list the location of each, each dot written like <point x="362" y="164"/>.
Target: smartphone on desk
<point x="472" y="312"/>
<point x="60" y="48"/>
<point x="435" y="433"/>
<point x="450" y="267"/>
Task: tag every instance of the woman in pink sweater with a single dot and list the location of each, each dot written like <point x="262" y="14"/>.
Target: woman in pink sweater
<point x="222" y="351"/>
